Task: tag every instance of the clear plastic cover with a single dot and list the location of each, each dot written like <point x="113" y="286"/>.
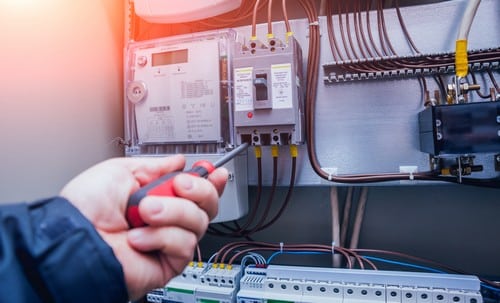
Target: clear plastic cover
<point x="178" y="94"/>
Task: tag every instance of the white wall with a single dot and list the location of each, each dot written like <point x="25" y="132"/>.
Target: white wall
<point x="60" y="91"/>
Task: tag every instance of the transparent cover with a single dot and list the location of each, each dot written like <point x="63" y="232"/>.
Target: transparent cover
<point x="177" y="95"/>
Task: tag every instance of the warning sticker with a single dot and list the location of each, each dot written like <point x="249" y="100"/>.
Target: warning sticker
<point x="281" y="75"/>
<point x="243" y="88"/>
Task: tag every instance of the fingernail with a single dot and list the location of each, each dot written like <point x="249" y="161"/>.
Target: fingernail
<point x="184" y="181"/>
<point x="135" y="235"/>
<point x="153" y="206"/>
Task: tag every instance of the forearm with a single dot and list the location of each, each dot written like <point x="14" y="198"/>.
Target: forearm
<point x="49" y="252"/>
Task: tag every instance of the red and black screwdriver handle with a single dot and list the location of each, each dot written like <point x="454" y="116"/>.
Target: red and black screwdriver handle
<point x="163" y="186"/>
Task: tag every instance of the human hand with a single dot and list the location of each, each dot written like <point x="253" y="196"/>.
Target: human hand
<point x="151" y="255"/>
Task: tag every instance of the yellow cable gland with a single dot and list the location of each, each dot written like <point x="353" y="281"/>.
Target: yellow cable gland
<point x="461" y="61"/>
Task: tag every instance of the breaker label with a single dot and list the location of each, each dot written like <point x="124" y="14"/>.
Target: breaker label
<point x="243" y="87"/>
<point x="281" y="76"/>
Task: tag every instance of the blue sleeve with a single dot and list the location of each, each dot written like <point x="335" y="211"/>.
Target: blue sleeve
<point x="49" y="252"/>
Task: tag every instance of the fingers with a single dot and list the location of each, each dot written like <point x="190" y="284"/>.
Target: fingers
<point x="173" y="242"/>
<point x="199" y="190"/>
<point x="159" y="211"/>
<point x="147" y="169"/>
<point x="219" y="178"/>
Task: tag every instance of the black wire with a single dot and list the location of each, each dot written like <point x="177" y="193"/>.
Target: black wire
<point x="287" y="197"/>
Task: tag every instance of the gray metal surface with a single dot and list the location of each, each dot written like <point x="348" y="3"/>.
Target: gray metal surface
<point x="372" y="126"/>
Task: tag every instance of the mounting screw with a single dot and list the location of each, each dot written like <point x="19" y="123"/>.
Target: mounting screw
<point x="498" y="119"/>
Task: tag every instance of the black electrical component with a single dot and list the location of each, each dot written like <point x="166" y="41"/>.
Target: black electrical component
<point x="460" y="128"/>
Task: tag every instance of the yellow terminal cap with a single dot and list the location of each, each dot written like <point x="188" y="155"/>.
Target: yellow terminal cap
<point x="214" y="265"/>
<point x="200" y="264"/>
<point x="270" y="36"/>
<point x="275" y="151"/>
<point x="229" y="267"/>
<point x="222" y="265"/>
<point x="294" y="151"/>
<point x="253" y="38"/>
<point x="191" y="264"/>
<point x="258" y="151"/>
<point x="461" y="61"/>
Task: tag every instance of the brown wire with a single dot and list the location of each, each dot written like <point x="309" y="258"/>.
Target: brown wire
<point x="285" y="17"/>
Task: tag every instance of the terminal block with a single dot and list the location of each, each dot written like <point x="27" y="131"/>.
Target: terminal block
<point x="268" y="93"/>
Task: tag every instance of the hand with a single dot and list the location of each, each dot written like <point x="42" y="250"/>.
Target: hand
<point x="152" y="255"/>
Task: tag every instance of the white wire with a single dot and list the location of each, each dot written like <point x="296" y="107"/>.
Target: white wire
<point x="346" y="217"/>
<point x="359" y="218"/>
<point x="468" y="17"/>
<point x="334" y="201"/>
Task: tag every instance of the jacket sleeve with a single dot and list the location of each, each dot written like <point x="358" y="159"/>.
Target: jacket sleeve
<point x="49" y="252"/>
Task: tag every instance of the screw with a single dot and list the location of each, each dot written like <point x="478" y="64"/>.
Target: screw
<point x="498" y="158"/>
<point x="439" y="136"/>
<point x="438" y="123"/>
<point x="498" y="119"/>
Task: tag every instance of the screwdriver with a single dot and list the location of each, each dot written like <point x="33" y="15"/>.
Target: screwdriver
<point x="163" y="186"/>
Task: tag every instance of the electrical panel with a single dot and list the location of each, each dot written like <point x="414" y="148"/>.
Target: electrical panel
<point x="174" y="106"/>
<point x="268" y="93"/>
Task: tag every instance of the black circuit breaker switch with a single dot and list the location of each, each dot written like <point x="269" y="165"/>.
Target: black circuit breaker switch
<point x="460" y="128"/>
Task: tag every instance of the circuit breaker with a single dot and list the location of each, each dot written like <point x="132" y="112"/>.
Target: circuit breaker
<point x="268" y="93"/>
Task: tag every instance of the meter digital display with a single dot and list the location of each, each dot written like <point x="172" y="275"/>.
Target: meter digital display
<point x="171" y="57"/>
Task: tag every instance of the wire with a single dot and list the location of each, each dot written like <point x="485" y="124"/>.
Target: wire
<point x="461" y="60"/>
<point x="358" y="220"/>
<point x="285" y="17"/>
<point x="254" y="20"/>
<point x="275" y="254"/>
<point x="334" y="202"/>
<point x="403" y="264"/>
<point x="294" y="154"/>
<point x="426" y="268"/>
<point x="468" y="17"/>
<point x="270" y="19"/>
<point x="346" y="216"/>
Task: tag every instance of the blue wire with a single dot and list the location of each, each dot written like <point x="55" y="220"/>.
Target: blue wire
<point x="490" y="287"/>
<point x="423" y="268"/>
<point x="294" y="253"/>
<point x="404" y="264"/>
